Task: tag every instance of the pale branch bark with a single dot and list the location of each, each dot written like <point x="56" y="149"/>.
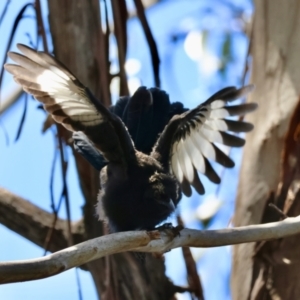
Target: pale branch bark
<point x="276" y="75"/>
<point x="143" y="241"/>
<point x="34" y="223"/>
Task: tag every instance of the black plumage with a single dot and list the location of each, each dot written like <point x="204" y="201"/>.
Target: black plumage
<point x="138" y="190"/>
<point x="144" y="119"/>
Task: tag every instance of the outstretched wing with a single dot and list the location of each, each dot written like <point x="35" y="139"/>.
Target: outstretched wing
<point x="187" y="142"/>
<point x="145" y="114"/>
<point x="70" y="103"/>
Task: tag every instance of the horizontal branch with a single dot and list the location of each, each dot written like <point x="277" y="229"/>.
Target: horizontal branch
<point x="34" y="223"/>
<point x="154" y="241"/>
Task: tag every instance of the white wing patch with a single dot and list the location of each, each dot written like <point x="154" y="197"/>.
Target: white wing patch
<point x="219" y="113"/>
<point x="54" y="87"/>
<point x="176" y="166"/>
<point x="184" y="160"/>
<point x="217" y="124"/>
<point x="203" y="145"/>
<point x="195" y="155"/>
<point x="200" y="129"/>
<point x="69" y="97"/>
<point x="217" y="104"/>
<point x="211" y="135"/>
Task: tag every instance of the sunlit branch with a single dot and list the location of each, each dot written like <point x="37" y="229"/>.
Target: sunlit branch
<point x="155" y="241"/>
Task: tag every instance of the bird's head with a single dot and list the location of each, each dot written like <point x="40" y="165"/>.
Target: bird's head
<point x="163" y="191"/>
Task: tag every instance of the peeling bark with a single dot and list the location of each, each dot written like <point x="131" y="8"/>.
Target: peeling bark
<point x="276" y="74"/>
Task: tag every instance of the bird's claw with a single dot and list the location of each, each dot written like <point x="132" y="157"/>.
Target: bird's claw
<point x="175" y="231"/>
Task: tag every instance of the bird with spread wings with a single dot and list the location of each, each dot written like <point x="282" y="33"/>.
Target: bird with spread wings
<point x="138" y="190"/>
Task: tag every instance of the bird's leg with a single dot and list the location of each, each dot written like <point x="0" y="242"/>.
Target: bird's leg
<point x="170" y="229"/>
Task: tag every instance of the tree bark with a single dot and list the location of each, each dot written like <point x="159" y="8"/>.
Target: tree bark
<point x="34" y="223"/>
<point x="276" y="74"/>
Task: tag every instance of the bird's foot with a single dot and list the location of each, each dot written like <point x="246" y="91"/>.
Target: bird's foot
<point x="175" y="231"/>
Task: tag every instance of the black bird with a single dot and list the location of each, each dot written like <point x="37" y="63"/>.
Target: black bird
<point x="138" y="191"/>
<point x="145" y="118"/>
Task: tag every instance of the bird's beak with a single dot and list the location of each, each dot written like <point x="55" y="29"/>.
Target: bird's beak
<point x="170" y="205"/>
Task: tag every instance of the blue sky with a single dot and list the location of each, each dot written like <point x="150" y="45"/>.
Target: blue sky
<point x="190" y="35"/>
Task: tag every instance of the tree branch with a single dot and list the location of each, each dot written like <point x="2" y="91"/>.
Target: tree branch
<point x="140" y="10"/>
<point x="33" y="223"/>
<point x="155" y="241"/>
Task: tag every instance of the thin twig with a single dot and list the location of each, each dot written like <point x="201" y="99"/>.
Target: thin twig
<point x="17" y="20"/>
<point x="40" y="25"/>
<point x="150" y="39"/>
<point x="65" y="187"/>
<point x="191" y="268"/>
<point x="78" y="284"/>
<point x="278" y="210"/>
<point x="42" y="33"/>
<point x="4" y="10"/>
<point x="120" y="19"/>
